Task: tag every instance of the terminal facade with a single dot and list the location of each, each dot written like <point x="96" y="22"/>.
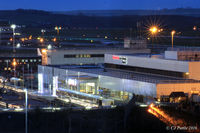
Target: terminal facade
<point x="153" y="76"/>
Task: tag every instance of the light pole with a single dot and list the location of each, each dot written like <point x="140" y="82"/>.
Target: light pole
<point x="14" y="63"/>
<point x="43" y="31"/>
<point x="153" y="31"/>
<point x="0" y="35"/>
<point x="58" y="29"/>
<point x="13" y="26"/>
<point x="172" y="34"/>
<point x="26" y="111"/>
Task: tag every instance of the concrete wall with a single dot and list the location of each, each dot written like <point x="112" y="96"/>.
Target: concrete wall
<point x="152" y="63"/>
<point x="194" y="70"/>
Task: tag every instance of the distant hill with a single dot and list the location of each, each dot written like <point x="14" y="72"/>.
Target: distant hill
<point x="35" y="18"/>
<point x="178" y="11"/>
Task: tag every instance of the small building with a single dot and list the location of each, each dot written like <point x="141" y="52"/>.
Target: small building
<point x="136" y="43"/>
<point x="177" y="97"/>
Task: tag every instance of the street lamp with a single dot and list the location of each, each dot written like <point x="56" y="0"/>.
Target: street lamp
<point x="44" y="51"/>
<point x="18" y="45"/>
<point x="49" y="47"/>
<point x="41" y="40"/>
<point x="26" y="110"/>
<point x="58" y="29"/>
<point x="172" y="34"/>
<point x="43" y="31"/>
<point x="154" y="30"/>
<point x="14" y="63"/>
<point x="13" y="26"/>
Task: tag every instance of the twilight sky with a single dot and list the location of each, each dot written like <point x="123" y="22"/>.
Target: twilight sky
<point x="66" y="5"/>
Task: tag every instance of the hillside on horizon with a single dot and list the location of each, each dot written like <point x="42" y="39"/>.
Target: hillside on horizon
<point x="195" y="12"/>
<point x="38" y="18"/>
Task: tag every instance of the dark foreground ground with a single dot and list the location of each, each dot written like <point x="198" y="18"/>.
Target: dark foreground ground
<point x="119" y="120"/>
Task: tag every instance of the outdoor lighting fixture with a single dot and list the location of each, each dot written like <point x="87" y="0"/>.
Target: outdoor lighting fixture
<point x="44" y="50"/>
<point x="49" y="46"/>
<point x="41" y="40"/>
<point x="153" y="30"/>
<point x="18" y="45"/>
<point x="14" y="63"/>
<point x="172" y="34"/>
<point x="13" y="26"/>
<point x="54" y="39"/>
<point x="194" y="28"/>
<point x="58" y="29"/>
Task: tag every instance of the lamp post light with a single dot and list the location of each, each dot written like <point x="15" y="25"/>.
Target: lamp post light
<point x="13" y="26"/>
<point x="49" y="47"/>
<point x="18" y="45"/>
<point x="14" y="63"/>
<point x="172" y="34"/>
<point x="153" y="31"/>
<point x="58" y="29"/>
<point x="0" y="35"/>
<point x="43" y="31"/>
<point x="26" y="110"/>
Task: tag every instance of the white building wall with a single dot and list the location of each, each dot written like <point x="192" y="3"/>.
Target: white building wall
<point x="57" y="57"/>
<point x="152" y="63"/>
<point x="171" y="55"/>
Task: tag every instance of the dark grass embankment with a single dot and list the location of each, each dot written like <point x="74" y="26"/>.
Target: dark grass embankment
<point x="117" y="120"/>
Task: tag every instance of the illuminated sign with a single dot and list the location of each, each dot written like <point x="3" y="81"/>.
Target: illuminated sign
<point x="115" y="57"/>
<point x="123" y="59"/>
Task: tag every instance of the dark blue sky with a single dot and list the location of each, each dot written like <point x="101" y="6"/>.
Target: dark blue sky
<point x="66" y="5"/>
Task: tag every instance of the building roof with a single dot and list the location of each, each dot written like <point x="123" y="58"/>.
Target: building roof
<point x="125" y="74"/>
<point x="177" y="94"/>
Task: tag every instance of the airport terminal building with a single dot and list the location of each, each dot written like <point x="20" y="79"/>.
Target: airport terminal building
<point x="124" y="75"/>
